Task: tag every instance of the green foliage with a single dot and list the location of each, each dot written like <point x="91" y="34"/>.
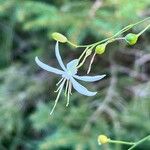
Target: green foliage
<point x="120" y="110"/>
<point x="71" y="130"/>
<point x="18" y="92"/>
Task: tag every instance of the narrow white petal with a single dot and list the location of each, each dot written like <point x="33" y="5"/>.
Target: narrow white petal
<point x="59" y="57"/>
<point x="72" y="66"/>
<point x="47" y="67"/>
<point x="72" y="63"/>
<point x="89" y="78"/>
<point x="81" y="89"/>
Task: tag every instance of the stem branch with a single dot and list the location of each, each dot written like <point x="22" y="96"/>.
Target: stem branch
<point x="121" y="142"/>
<point x="139" y="142"/>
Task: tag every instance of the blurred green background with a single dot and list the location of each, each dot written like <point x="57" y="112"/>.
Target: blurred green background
<point x="121" y="109"/>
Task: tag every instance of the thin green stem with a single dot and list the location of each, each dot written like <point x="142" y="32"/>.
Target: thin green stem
<point x="124" y="30"/>
<point x="74" y="45"/>
<point x="115" y="35"/>
<point x="83" y="53"/>
<point x="121" y="142"/>
<point x="141" y="21"/>
<point x="139" y="142"/>
<point x="143" y="30"/>
<point x="109" y="41"/>
<point x="99" y="42"/>
<point x="130" y="26"/>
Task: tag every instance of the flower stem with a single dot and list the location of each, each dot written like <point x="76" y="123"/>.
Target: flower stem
<point x="83" y="53"/>
<point x="72" y="44"/>
<point x="139" y="142"/>
<point x="115" y="35"/>
<point x="121" y="142"/>
<point x="144" y="30"/>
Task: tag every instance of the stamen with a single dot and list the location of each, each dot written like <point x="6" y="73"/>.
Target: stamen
<point x="57" y="98"/>
<point x="57" y="89"/>
<point x="59" y="81"/>
<point x="68" y="93"/>
<point x="68" y="97"/>
<point x="67" y="83"/>
<point x="91" y="62"/>
<point x="70" y="87"/>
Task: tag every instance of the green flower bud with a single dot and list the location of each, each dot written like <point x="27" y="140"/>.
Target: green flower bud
<point x="59" y="37"/>
<point x="100" y="49"/>
<point x="131" y="38"/>
<point x="103" y="139"/>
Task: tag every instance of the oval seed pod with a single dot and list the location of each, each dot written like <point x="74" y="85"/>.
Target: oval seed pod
<point x="59" y="37"/>
<point x="131" y="38"/>
<point x="100" y="49"/>
<point x="103" y="139"/>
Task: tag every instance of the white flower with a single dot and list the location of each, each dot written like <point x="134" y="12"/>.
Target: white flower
<point x="68" y="74"/>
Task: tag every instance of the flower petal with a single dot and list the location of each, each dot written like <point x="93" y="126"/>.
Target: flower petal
<point x="59" y="57"/>
<point x="47" y="68"/>
<point x="72" y="63"/>
<point x="89" y="78"/>
<point x="81" y="89"/>
<point x="72" y="66"/>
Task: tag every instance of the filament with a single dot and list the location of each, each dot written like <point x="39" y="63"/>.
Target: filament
<point x="59" y="81"/>
<point x="68" y="93"/>
<point x="58" y="95"/>
<point x="70" y="87"/>
<point x="58" y="88"/>
<point x="67" y="84"/>
<point x="92" y="59"/>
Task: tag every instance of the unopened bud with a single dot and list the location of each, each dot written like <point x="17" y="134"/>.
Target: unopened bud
<point x="59" y="37"/>
<point x="103" y="139"/>
<point x="100" y="49"/>
<point x="131" y="38"/>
